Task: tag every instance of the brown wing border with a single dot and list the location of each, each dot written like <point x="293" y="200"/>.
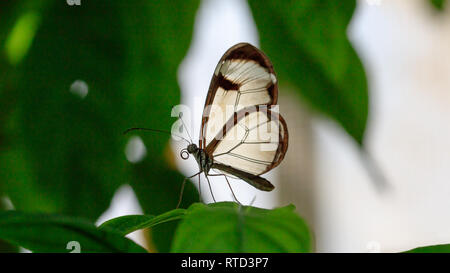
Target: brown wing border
<point x="238" y="51"/>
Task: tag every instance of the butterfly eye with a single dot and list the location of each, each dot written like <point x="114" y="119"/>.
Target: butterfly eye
<point x="184" y="154"/>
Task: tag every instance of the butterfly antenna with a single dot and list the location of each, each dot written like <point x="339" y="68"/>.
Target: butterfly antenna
<point x="154" y="130"/>
<point x="180" y="115"/>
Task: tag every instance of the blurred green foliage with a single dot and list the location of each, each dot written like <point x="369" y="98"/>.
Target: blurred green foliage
<point x="40" y="232"/>
<point x="308" y="45"/>
<point x="61" y="153"/>
<point x="438" y="4"/>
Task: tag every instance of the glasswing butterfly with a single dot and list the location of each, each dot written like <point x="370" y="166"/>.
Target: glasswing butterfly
<point x="242" y="135"/>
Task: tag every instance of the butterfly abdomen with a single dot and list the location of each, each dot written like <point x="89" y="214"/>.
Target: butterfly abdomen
<point x="254" y="180"/>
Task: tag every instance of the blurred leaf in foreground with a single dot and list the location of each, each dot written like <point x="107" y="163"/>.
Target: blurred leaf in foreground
<point x="228" y="227"/>
<point x="307" y="42"/>
<point x="54" y="233"/>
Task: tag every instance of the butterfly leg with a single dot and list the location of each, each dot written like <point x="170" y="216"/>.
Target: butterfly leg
<point x="229" y="185"/>
<point x="199" y="189"/>
<point x="182" y="187"/>
<point x="210" y="189"/>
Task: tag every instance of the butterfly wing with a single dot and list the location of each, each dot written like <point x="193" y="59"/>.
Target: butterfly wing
<point x="240" y="130"/>
<point x="251" y="143"/>
<point x="243" y="77"/>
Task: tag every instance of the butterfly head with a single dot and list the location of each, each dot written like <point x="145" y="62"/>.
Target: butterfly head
<point x="191" y="149"/>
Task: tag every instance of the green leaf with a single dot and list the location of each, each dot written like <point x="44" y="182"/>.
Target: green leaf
<point x="307" y="42"/>
<point x="52" y="233"/>
<point x="129" y="223"/>
<point x="431" y="249"/>
<point x="227" y="227"/>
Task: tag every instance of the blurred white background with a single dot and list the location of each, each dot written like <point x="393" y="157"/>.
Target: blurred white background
<point x="404" y="47"/>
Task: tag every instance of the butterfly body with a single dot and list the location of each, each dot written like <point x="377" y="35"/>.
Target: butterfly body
<point x="206" y="163"/>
